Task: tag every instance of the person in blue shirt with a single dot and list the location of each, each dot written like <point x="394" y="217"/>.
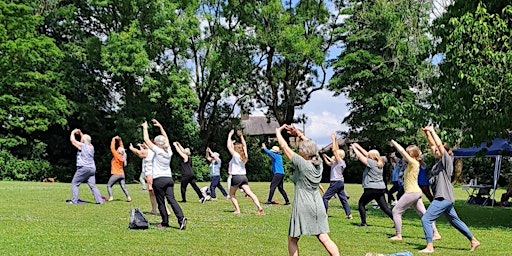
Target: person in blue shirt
<point x="278" y="170"/>
<point x="215" y="163"/>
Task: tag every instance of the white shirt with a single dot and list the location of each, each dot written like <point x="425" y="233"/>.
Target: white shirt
<point x="236" y="165"/>
<point x="147" y="163"/>
<point x="162" y="162"/>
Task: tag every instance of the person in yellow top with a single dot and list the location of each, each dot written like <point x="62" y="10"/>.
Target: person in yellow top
<point x="413" y="194"/>
<point x="117" y="164"/>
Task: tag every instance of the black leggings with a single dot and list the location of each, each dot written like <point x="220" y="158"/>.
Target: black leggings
<point x="370" y="194"/>
<point x="185" y="180"/>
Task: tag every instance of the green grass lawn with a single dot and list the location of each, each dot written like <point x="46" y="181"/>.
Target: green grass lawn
<point x="35" y="220"/>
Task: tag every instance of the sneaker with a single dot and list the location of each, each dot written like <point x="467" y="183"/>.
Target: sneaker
<point x="160" y="225"/>
<point x="183" y="201"/>
<point x="202" y="200"/>
<point x="69" y="202"/>
<point x="183" y="224"/>
<point x="287" y="203"/>
<point x="267" y="202"/>
<point x="362" y="225"/>
<point x="214" y="199"/>
<point x="80" y="202"/>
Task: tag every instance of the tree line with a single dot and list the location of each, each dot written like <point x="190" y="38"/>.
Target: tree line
<point x="104" y="66"/>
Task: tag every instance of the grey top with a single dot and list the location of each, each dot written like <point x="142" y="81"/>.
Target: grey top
<point x="441" y="180"/>
<point x="308" y="215"/>
<point x="85" y="156"/>
<point x="337" y="170"/>
<point x="372" y="175"/>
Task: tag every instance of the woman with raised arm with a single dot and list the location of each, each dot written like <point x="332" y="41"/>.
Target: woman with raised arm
<point x="337" y="184"/>
<point x="85" y="167"/>
<point x="238" y="152"/>
<point x="442" y="172"/>
<point x="187" y="174"/>
<point x="215" y="163"/>
<point x="412" y="191"/>
<point x="147" y="170"/>
<point x="308" y="215"/>
<point x="373" y="181"/>
<point x="118" y="163"/>
<point x="163" y="184"/>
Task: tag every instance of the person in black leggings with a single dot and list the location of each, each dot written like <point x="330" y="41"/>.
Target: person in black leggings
<point x="373" y="181"/>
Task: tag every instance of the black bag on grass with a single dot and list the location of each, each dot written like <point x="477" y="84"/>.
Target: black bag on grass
<point x="137" y="219"/>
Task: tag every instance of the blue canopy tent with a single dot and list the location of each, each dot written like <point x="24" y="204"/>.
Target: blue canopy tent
<point x="497" y="149"/>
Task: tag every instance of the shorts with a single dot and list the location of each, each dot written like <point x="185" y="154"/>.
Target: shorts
<point x="239" y="180"/>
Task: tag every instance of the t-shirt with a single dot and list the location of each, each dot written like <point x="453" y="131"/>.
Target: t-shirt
<point x="85" y="156"/>
<point x="277" y="162"/>
<point x="215" y="168"/>
<point x="186" y="168"/>
<point x="411" y="177"/>
<point x="442" y="172"/>
<point x="117" y="162"/>
<point x="147" y="163"/>
<point x="423" y="176"/>
<point x="372" y="175"/>
<point x="162" y="162"/>
<point x="337" y="170"/>
<point x="236" y="165"/>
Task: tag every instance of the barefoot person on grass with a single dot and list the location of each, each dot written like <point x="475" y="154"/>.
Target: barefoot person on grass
<point x="118" y="163"/>
<point x="442" y="172"/>
<point x="85" y="167"/>
<point x="163" y="184"/>
<point x="373" y="181"/>
<point x="412" y="191"/>
<point x="238" y="152"/>
<point x="308" y="215"/>
<point x="337" y="184"/>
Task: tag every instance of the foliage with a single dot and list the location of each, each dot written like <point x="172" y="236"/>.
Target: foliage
<point x="475" y="79"/>
<point x="31" y="91"/>
<point x="382" y="68"/>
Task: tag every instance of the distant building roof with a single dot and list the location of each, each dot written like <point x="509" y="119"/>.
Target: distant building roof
<point x="259" y="125"/>
<point x="340" y="141"/>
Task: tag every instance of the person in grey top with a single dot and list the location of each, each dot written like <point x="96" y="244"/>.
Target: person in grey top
<point x="442" y="187"/>
<point x="308" y="215"/>
<point x="85" y="167"/>
<point x="373" y="181"/>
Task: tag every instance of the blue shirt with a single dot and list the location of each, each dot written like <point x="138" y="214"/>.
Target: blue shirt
<point x="423" y="176"/>
<point x="215" y="168"/>
<point x="85" y="156"/>
<point x="277" y="162"/>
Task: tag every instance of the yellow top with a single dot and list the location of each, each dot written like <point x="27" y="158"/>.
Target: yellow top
<point x="411" y="177"/>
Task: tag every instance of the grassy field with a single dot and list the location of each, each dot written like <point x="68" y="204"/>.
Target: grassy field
<point x="35" y="220"/>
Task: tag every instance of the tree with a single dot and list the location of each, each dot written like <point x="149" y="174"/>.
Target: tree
<point x="473" y="93"/>
<point x="31" y="91"/>
<point x="382" y="69"/>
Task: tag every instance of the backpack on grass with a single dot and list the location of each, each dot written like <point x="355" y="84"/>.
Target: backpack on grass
<point x="137" y="219"/>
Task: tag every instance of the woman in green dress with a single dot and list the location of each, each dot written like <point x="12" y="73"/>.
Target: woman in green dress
<point x="308" y="212"/>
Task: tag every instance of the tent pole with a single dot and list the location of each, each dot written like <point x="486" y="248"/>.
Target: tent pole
<point x="497" y="169"/>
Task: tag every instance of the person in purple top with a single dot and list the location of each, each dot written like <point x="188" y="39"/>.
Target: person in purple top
<point x="278" y="170"/>
<point x="85" y="167"/>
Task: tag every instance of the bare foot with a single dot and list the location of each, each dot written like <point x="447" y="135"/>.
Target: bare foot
<point x="350" y="217"/>
<point x="128" y="199"/>
<point x="260" y="212"/>
<point x="236" y="212"/>
<point x="110" y="199"/>
<point x="396" y="238"/>
<point x="426" y="250"/>
<point x="474" y="244"/>
<point x="436" y="236"/>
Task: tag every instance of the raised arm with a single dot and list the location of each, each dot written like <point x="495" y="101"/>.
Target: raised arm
<point x="73" y="139"/>
<point x="231" y="147"/>
<point x="361" y="149"/>
<point x="436" y="140"/>
<point x="145" y="135"/>
<point x="180" y="151"/>
<point x="209" y="155"/>
<point x="162" y="131"/>
<point x="282" y="142"/>
<point x="242" y="140"/>
<point x="113" y="147"/>
<point x="292" y="130"/>
<point x="402" y="151"/>
<point x="137" y="152"/>
<point x="335" y="147"/>
<point x="363" y="158"/>
<point x="327" y="160"/>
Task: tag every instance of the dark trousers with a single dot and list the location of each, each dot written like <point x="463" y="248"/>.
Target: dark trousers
<point x="426" y="191"/>
<point x="216" y="184"/>
<point x="164" y="188"/>
<point x="337" y="188"/>
<point x="277" y="182"/>
<point x="370" y="194"/>
<point x="185" y="180"/>
<point x="395" y="188"/>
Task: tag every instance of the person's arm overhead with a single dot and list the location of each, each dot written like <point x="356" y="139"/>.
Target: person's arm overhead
<point x="335" y="147"/>
<point x="230" y="145"/>
<point x="362" y="157"/>
<point x="327" y="160"/>
<point x="180" y="151"/>
<point x="73" y="140"/>
<point x="145" y="134"/>
<point x="241" y="135"/>
<point x="402" y="151"/>
<point x="162" y="131"/>
<point x="361" y="149"/>
<point x="209" y="155"/>
<point x="282" y="142"/>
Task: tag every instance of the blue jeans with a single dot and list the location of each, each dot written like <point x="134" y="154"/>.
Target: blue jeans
<point x="337" y="188"/>
<point x="434" y="211"/>
<point x="216" y="184"/>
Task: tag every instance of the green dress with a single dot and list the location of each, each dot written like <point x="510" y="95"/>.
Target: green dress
<point x="308" y="211"/>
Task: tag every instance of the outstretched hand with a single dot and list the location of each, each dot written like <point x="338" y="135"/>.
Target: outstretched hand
<point x="239" y="133"/>
<point x="231" y="133"/>
<point x="156" y="123"/>
<point x="145" y="125"/>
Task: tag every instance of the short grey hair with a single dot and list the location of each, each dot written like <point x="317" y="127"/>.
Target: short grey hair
<point x="87" y="139"/>
<point x="160" y="141"/>
<point x="308" y="148"/>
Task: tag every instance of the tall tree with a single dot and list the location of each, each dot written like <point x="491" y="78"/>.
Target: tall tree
<point x="383" y="67"/>
<point x="31" y="91"/>
<point x="473" y="93"/>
